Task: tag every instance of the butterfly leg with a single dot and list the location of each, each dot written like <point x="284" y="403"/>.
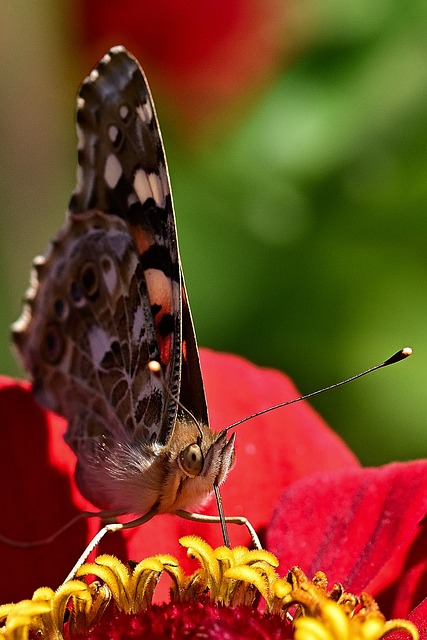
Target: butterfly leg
<point x="241" y="520"/>
<point x="112" y="526"/>
<point x="38" y="543"/>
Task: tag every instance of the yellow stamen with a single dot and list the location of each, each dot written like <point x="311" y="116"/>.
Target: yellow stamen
<point x="198" y="548"/>
<point x="230" y="577"/>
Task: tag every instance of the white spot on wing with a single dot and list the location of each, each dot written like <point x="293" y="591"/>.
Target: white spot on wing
<point x="94" y="75"/>
<point x="21" y="324"/>
<point x="164" y="180"/>
<point x="112" y="171"/>
<point x="109" y="273"/>
<point x="113" y="132"/>
<point x="124" y="111"/>
<point x="148" y="110"/>
<point x="80" y="138"/>
<point x="156" y="189"/>
<point x="142" y="186"/>
<point x="145" y="112"/>
<point x="99" y="344"/>
<point x="138" y="325"/>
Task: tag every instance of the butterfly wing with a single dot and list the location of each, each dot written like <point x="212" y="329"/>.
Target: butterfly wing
<point x="87" y="333"/>
<point x="123" y="171"/>
<point x="138" y="309"/>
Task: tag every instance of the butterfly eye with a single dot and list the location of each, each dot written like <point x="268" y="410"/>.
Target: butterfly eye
<point x="89" y="280"/>
<point x="190" y="460"/>
<point x="53" y="344"/>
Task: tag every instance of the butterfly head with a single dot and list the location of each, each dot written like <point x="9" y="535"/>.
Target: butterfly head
<point x="138" y="478"/>
<point x="193" y="465"/>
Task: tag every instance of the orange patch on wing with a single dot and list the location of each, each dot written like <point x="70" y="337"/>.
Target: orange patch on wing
<point x="142" y="240"/>
<point x="165" y="344"/>
<point x="159" y="289"/>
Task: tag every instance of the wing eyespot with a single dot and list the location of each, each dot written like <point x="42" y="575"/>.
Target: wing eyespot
<point x="107" y="264"/>
<point x="53" y="344"/>
<point x="89" y="280"/>
<point x="76" y="294"/>
<point x="191" y="460"/>
<point x="61" y="308"/>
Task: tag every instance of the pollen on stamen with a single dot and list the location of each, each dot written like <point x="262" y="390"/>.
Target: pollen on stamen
<point x="225" y="588"/>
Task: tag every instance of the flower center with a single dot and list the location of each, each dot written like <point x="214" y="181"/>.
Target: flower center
<point x="237" y="580"/>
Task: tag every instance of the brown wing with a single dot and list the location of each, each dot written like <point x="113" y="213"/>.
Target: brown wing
<point x="122" y="172"/>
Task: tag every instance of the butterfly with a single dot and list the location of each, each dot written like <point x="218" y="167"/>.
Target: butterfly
<point x="106" y="330"/>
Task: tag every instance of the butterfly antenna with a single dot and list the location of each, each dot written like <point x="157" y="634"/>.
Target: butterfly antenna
<point x="396" y="357"/>
<point x="156" y="369"/>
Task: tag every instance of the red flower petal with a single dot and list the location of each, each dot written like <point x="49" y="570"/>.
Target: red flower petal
<point x="39" y="495"/>
<point x="36" y="494"/>
<point x="363" y="528"/>
<point x="275" y="449"/>
<point x="419" y="617"/>
<point x="202" y="53"/>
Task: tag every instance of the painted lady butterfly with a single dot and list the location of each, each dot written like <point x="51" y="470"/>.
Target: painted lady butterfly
<point x="107" y="301"/>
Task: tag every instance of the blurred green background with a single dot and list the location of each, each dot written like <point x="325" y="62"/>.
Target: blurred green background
<point x="301" y="209"/>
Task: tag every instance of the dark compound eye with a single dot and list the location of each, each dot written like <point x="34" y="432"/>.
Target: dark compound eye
<point x="191" y="460"/>
<point x="53" y="344"/>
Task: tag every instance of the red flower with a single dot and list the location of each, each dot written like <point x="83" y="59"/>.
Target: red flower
<point x="202" y="54"/>
<point x="363" y="527"/>
<point x="39" y="495"/>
